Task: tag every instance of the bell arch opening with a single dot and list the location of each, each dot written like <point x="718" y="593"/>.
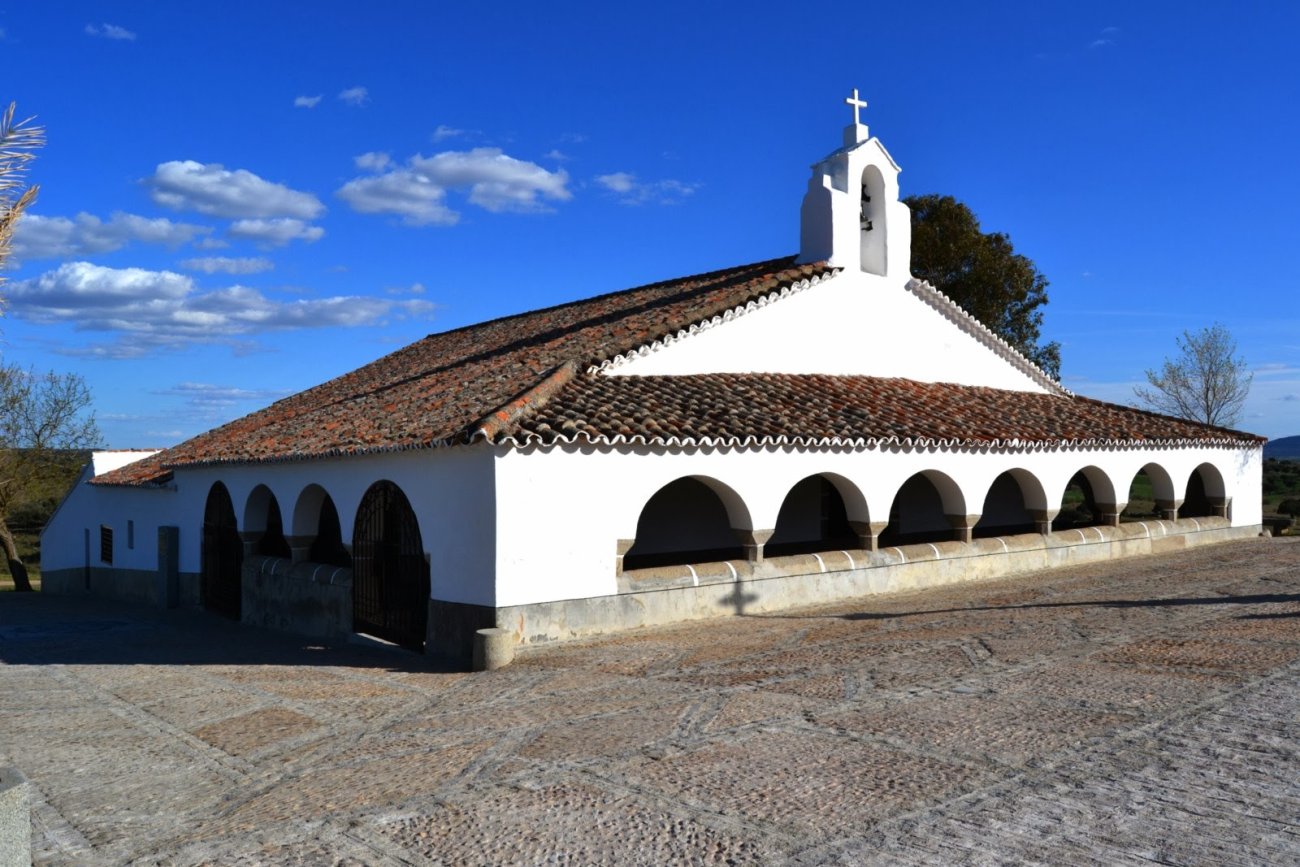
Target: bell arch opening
<point x="872" y="228"/>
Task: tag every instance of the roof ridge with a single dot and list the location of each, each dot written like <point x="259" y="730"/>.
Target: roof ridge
<point x="535" y="396"/>
<point x="962" y="318"/>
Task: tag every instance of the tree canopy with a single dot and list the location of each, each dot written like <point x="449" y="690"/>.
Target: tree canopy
<point x="1208" y="382"/>
<point x="983" y="273"/>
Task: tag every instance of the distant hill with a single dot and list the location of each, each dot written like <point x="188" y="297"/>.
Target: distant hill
<point x="1283" y="447"/>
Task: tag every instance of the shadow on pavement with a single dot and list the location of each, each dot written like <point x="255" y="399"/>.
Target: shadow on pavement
<point x="61" y="630"/>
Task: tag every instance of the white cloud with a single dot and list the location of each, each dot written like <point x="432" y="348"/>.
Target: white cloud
<point x="632" y="191"/>
<point x="110" y="31"/>
<point x="355" y="96"/>
<point x="153" y="310"/>
<point x="618" y="182"/>
<point x="186" y="185"/>
<point x="307" y="101"/>
<point x="37" y="237"/>
<point x="495" y="181"/>
<point x="556" y="154"/>
<point x="412" y="196"/>
<point x="445" y="132"/>
<point x="228" y="265"/>
<point x="375" y="161"/>
<point x="274" y="233"/>
<point x="211" y="243"/>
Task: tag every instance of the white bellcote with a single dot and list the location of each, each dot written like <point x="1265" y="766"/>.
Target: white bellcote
<point x="851" y="215"/>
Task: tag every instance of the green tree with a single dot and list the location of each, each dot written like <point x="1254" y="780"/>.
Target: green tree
<point x="983" y="273"/>
<point x="40" y="415"/>
<point x="1207" y="383"/>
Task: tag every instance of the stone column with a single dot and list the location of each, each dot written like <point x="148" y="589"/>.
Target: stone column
<point x="1168" y="509"/>
<point x="1221" y="507"/>
<point x="1108" y="513"/>
<point x="250" y="538"/>
<point x="299" y="548"/>
<point x="868" y="534"/>
<point x="753" y="541"/>
<point x="621" y="547"/>
<point x="1043" y="520"/>
<point x="963" y="526"/>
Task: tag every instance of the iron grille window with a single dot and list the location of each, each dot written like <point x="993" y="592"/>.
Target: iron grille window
<point x="105" y="543"/>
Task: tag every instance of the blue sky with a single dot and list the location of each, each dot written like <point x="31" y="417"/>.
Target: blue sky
<point x="241" y="200"/>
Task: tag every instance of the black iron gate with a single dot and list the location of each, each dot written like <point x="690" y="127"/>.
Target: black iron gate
<point x="223" y="554"/>
<point x="390" y="577"/>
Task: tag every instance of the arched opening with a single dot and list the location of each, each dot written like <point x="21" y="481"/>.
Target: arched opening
<point x="273" y="543"/>
<point x="222" y="555"/>
<point x="917" y="514"/>
<point x="390" y="576"/>
<point x="1005" y="512"/>
<point x="812" y="518"/>
<point x="328" y="546"/>
<point x="1150" y="494"/>
<point x="872" y="221"/>
<point x="1205" y="494"/>
<point x="1079" y="503"/>
<point x="685" y="521"/>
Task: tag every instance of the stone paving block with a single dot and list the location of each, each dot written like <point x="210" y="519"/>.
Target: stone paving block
<point x="360" y="785"/>
<point x="568" y="823"/>
<point x="606" y="736"/>
<point x="1007" y="728"/>
<point x="1237" y="656"/>
<point x="247" y="732"/>
<point x="801" y="780"/>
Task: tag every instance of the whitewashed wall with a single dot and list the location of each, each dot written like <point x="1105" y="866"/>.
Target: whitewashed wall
<point x="853" y="324"/>
<point x="451" y="491"/>
<point x="561" y="511"/>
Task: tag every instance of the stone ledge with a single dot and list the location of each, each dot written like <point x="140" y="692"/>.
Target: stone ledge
<point x="656" y="597"/>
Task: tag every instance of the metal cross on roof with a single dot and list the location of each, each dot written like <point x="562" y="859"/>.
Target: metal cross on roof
<point x="858" y="105"/>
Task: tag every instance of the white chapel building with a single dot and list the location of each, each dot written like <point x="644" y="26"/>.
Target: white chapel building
<point x="805" y="429"/>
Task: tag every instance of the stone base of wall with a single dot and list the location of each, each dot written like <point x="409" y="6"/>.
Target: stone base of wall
<point x="304" y="598"/>
<point x="452" y="626"/>
<point x="129" y="585"/>
<point x="652" y="597"/>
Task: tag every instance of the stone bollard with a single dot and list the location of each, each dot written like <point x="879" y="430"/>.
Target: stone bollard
<point x="493" y="648"/>
<point x="15" y="820"/>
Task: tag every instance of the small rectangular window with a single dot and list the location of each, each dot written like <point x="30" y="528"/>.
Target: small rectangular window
<point x="130" y="535"/>
<point x="105" y="543"/>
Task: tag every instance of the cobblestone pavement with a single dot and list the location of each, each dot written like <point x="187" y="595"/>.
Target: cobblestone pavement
<point x="1141" y="711"/>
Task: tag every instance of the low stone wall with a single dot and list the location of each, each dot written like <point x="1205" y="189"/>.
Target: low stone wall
<point x="305" y="598"/>
<point x="650" y="597"/>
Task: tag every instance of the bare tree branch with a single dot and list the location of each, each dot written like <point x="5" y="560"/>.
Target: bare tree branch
<point x="1207" y="382"/>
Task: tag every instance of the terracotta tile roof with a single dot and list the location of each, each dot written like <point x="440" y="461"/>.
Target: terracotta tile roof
<point x="535" y="377"/>
<point x="739" y="409"/>
<point x="447" y="386"/>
